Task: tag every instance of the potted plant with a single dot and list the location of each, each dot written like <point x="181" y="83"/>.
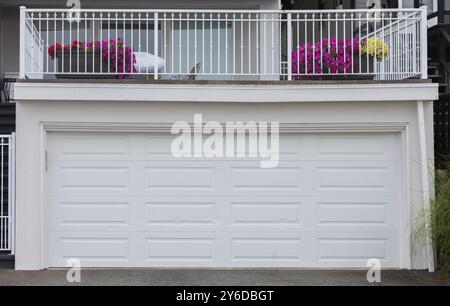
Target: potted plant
<point x="328" y="59"/>
<point x="333" y="59"/>
<point x="99" y="59"/>
<point x="372" y="50"/>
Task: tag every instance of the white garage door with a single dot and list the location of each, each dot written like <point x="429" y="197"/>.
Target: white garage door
<point x="121" y="200"/>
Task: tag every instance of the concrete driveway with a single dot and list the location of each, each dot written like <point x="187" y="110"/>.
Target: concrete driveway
<point x="200" y="277"/>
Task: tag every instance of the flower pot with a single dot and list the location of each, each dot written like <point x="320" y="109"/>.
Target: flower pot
<point x="366" y="66"/>
<point x="81" y="64"/>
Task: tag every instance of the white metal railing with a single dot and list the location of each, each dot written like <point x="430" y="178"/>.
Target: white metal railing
<point x="7" y="192"/>
<point x="224" y="44"/>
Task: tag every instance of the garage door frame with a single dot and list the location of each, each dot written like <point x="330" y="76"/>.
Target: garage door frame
<point x="377" y="127"/>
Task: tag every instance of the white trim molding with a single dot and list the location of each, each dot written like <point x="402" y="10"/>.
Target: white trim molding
<point x="166" y="127"/>
<point x="426" y="195"/>
<point x="258" y="92"/>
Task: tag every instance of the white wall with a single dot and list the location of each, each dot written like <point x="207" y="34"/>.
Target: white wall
<point x="30" y="114"/>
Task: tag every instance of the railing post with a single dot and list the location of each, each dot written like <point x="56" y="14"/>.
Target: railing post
<point x="22" y="42"/>
<point x="289" y="46"/>
<point x="156" y="41"/>
<point x="424" y="43"/>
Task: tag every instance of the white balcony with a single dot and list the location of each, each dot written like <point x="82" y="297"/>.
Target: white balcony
<point x="223" y="44"/>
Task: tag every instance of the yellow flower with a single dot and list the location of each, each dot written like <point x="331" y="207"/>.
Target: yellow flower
<point x="376" y="47"/>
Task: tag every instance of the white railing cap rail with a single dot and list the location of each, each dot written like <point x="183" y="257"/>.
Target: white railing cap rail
<point x="403" y="10"/>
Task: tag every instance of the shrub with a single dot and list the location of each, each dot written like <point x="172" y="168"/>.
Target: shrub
<point x="439" y="219"/>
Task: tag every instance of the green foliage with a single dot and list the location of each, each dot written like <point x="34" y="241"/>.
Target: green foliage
<point x="439" y="216"/>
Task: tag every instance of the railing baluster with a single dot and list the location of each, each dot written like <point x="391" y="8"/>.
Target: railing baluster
<point x="359" y="42"/>
<point x="226" y="43"/>
<point x="391" y="46"/>
<point x="147" y="49"/>
<point x="172" y="31"/>
<point x="329" y="36"/>
<point x="257" y="43"/>
<point x="109" y="43"/>
<point x="344" y="16"/>
<point x="367" y="43"/>
<point x="313" y="44"/>
<point x="47" y="44"/>
<point x="298" y="45"/>
<point x="219" y="60"/>
<point x="375" y="66"/>
<point x="164" y="32"/>
<point x="352" y="20"/>
<point x="272" y="39"/>
<point x="383" y="49"/>
<point x="131" y="45"/>
<point x="156" y="43"/>
<point x="211" y="44"/>
<point x="188" y="44"/>
<point x="101" y="40"/>
<point x="289" y="46"/>
<point x="93" y="43"/>
<point x="195" y="41"/>
<point x="249" y="44"/>
<point x="242" y="43"/>
<point x="78" y="39"/>
<point x="321" y="42"/>
<point x="86" y="27"/>
<point x="180" y="65"/>
<point x="306" y="43"/>
<point x="234" y="43"/>
<point x="203" y="43"/>
<point x="116" y="49"/>
<point x="40" y="43"/>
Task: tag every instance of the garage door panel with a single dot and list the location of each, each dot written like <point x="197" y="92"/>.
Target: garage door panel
<point x="356" y="178"/>
<point x="87" y="213"/>
<point x="352" y="214"/>
<point x="351" y="147"/>
<point x="91" y="178"/>
<point x="178" y="213"/>
<point x="244" y="179"/>
<point x="198" y="177"/>
<point x="344" y="249"/>
<point x="92" y="249"/>
<point x="358" y="213"/>
<point x="280" y="178"/>
<point x="80" y="146"/>
<point x="180" y="249"/>
<point x="266" y="248"/>
<point x="254" y="213"/>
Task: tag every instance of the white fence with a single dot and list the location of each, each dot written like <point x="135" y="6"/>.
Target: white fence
<point x="7" y="192"/>
<point x="224" y="44"/>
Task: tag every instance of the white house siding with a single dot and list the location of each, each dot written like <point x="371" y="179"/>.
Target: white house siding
<point x="32" y="242"/>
